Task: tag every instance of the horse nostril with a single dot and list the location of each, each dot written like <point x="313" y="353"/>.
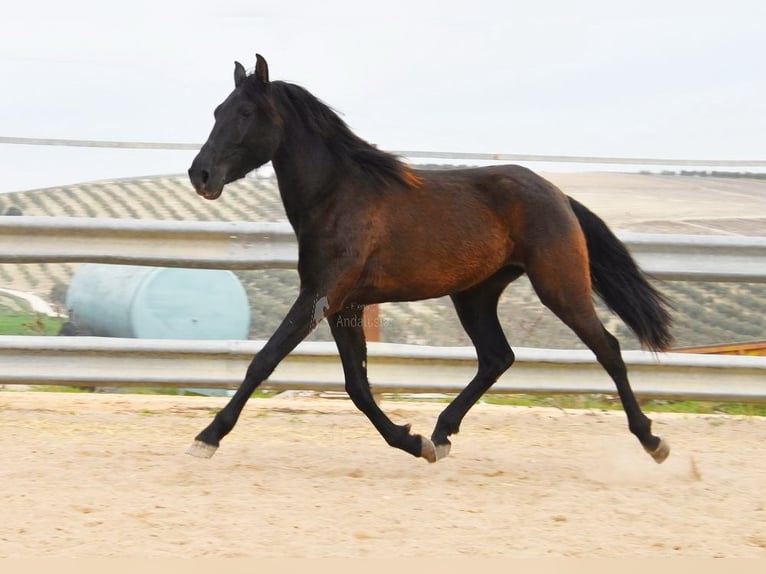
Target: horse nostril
<point x="198" y="176"/>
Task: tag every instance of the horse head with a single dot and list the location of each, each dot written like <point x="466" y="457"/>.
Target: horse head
<point x="245" y="135"/>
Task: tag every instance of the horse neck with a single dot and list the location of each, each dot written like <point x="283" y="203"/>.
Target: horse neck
<point x="305" y="169"/>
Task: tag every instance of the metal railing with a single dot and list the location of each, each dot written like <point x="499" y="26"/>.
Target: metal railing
<point x="240" y="245"/>
<point x="245" y="245"/>
<point x="395" y="368"/>
<point x="470" y="156"/>
<point x="111" y="362"/>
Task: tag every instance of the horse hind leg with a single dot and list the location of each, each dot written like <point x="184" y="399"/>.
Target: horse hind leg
<point x="477" y="311"/>
<point x="563" y="285"/>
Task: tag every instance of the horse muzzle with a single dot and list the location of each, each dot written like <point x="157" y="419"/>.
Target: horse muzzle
<point x="205" y="184"/>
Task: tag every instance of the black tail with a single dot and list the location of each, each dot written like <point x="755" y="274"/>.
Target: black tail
<point x="618" y="280"/>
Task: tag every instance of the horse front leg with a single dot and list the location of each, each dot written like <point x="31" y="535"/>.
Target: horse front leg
<point x="297" y="324"/>
<point x="346" y="327"/>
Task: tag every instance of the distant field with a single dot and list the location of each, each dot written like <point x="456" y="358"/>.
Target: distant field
<point x="17" y="323"/>
<point x="706" y="313"/>
<point x="16" y="318"/>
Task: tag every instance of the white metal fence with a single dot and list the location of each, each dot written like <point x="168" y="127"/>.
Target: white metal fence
<point x="104" y="362"/>
<point x="208" y="364"/>
<point x="244" y="245"/>
<point x="240" y="245"/>
<point x="465" y="156"/>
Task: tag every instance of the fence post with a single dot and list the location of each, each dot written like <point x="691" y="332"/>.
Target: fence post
<point x="371" y="327"/>
<point x="371" y="322"/>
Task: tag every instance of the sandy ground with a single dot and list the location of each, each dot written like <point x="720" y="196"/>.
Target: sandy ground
<point x="105" y="475"/>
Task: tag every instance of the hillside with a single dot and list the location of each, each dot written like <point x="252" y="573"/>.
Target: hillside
<point x="706" y="313"/>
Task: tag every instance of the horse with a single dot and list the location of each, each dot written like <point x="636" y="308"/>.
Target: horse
<point x="372" y="229"/>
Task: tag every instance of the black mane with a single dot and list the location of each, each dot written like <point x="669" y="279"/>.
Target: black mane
<point x="348" y="149"/>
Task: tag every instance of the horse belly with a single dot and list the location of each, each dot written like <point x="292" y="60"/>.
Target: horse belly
<point x="435" y="264"/>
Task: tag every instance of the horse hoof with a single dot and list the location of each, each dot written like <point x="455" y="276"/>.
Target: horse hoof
<point x="201" y="449"/>
<point x="660" y="453"/>
<point x="442" y="450"/>
<point x="427" y="449"/>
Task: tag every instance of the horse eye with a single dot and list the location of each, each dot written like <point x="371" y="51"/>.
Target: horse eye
<point x="245" y="113"/>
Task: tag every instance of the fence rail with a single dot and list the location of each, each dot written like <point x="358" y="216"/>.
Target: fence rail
<point x="202" y="244"/>
<point x="396" y="368"/>
<point x="245" y="245"/>
<point x="516" y="157"/>
<point x="104" y="362"/>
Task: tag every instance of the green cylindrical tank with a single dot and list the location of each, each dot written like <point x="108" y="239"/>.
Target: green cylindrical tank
<point x="158" y="302"/>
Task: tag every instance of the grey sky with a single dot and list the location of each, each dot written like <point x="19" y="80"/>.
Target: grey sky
<point x="648" y="78"/>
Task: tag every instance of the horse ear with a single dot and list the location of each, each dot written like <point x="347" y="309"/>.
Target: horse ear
<point x="239" y="74"/>
<point x="261" y="69"/>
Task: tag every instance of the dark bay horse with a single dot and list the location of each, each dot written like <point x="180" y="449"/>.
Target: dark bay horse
<point x="370" y="229"/>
